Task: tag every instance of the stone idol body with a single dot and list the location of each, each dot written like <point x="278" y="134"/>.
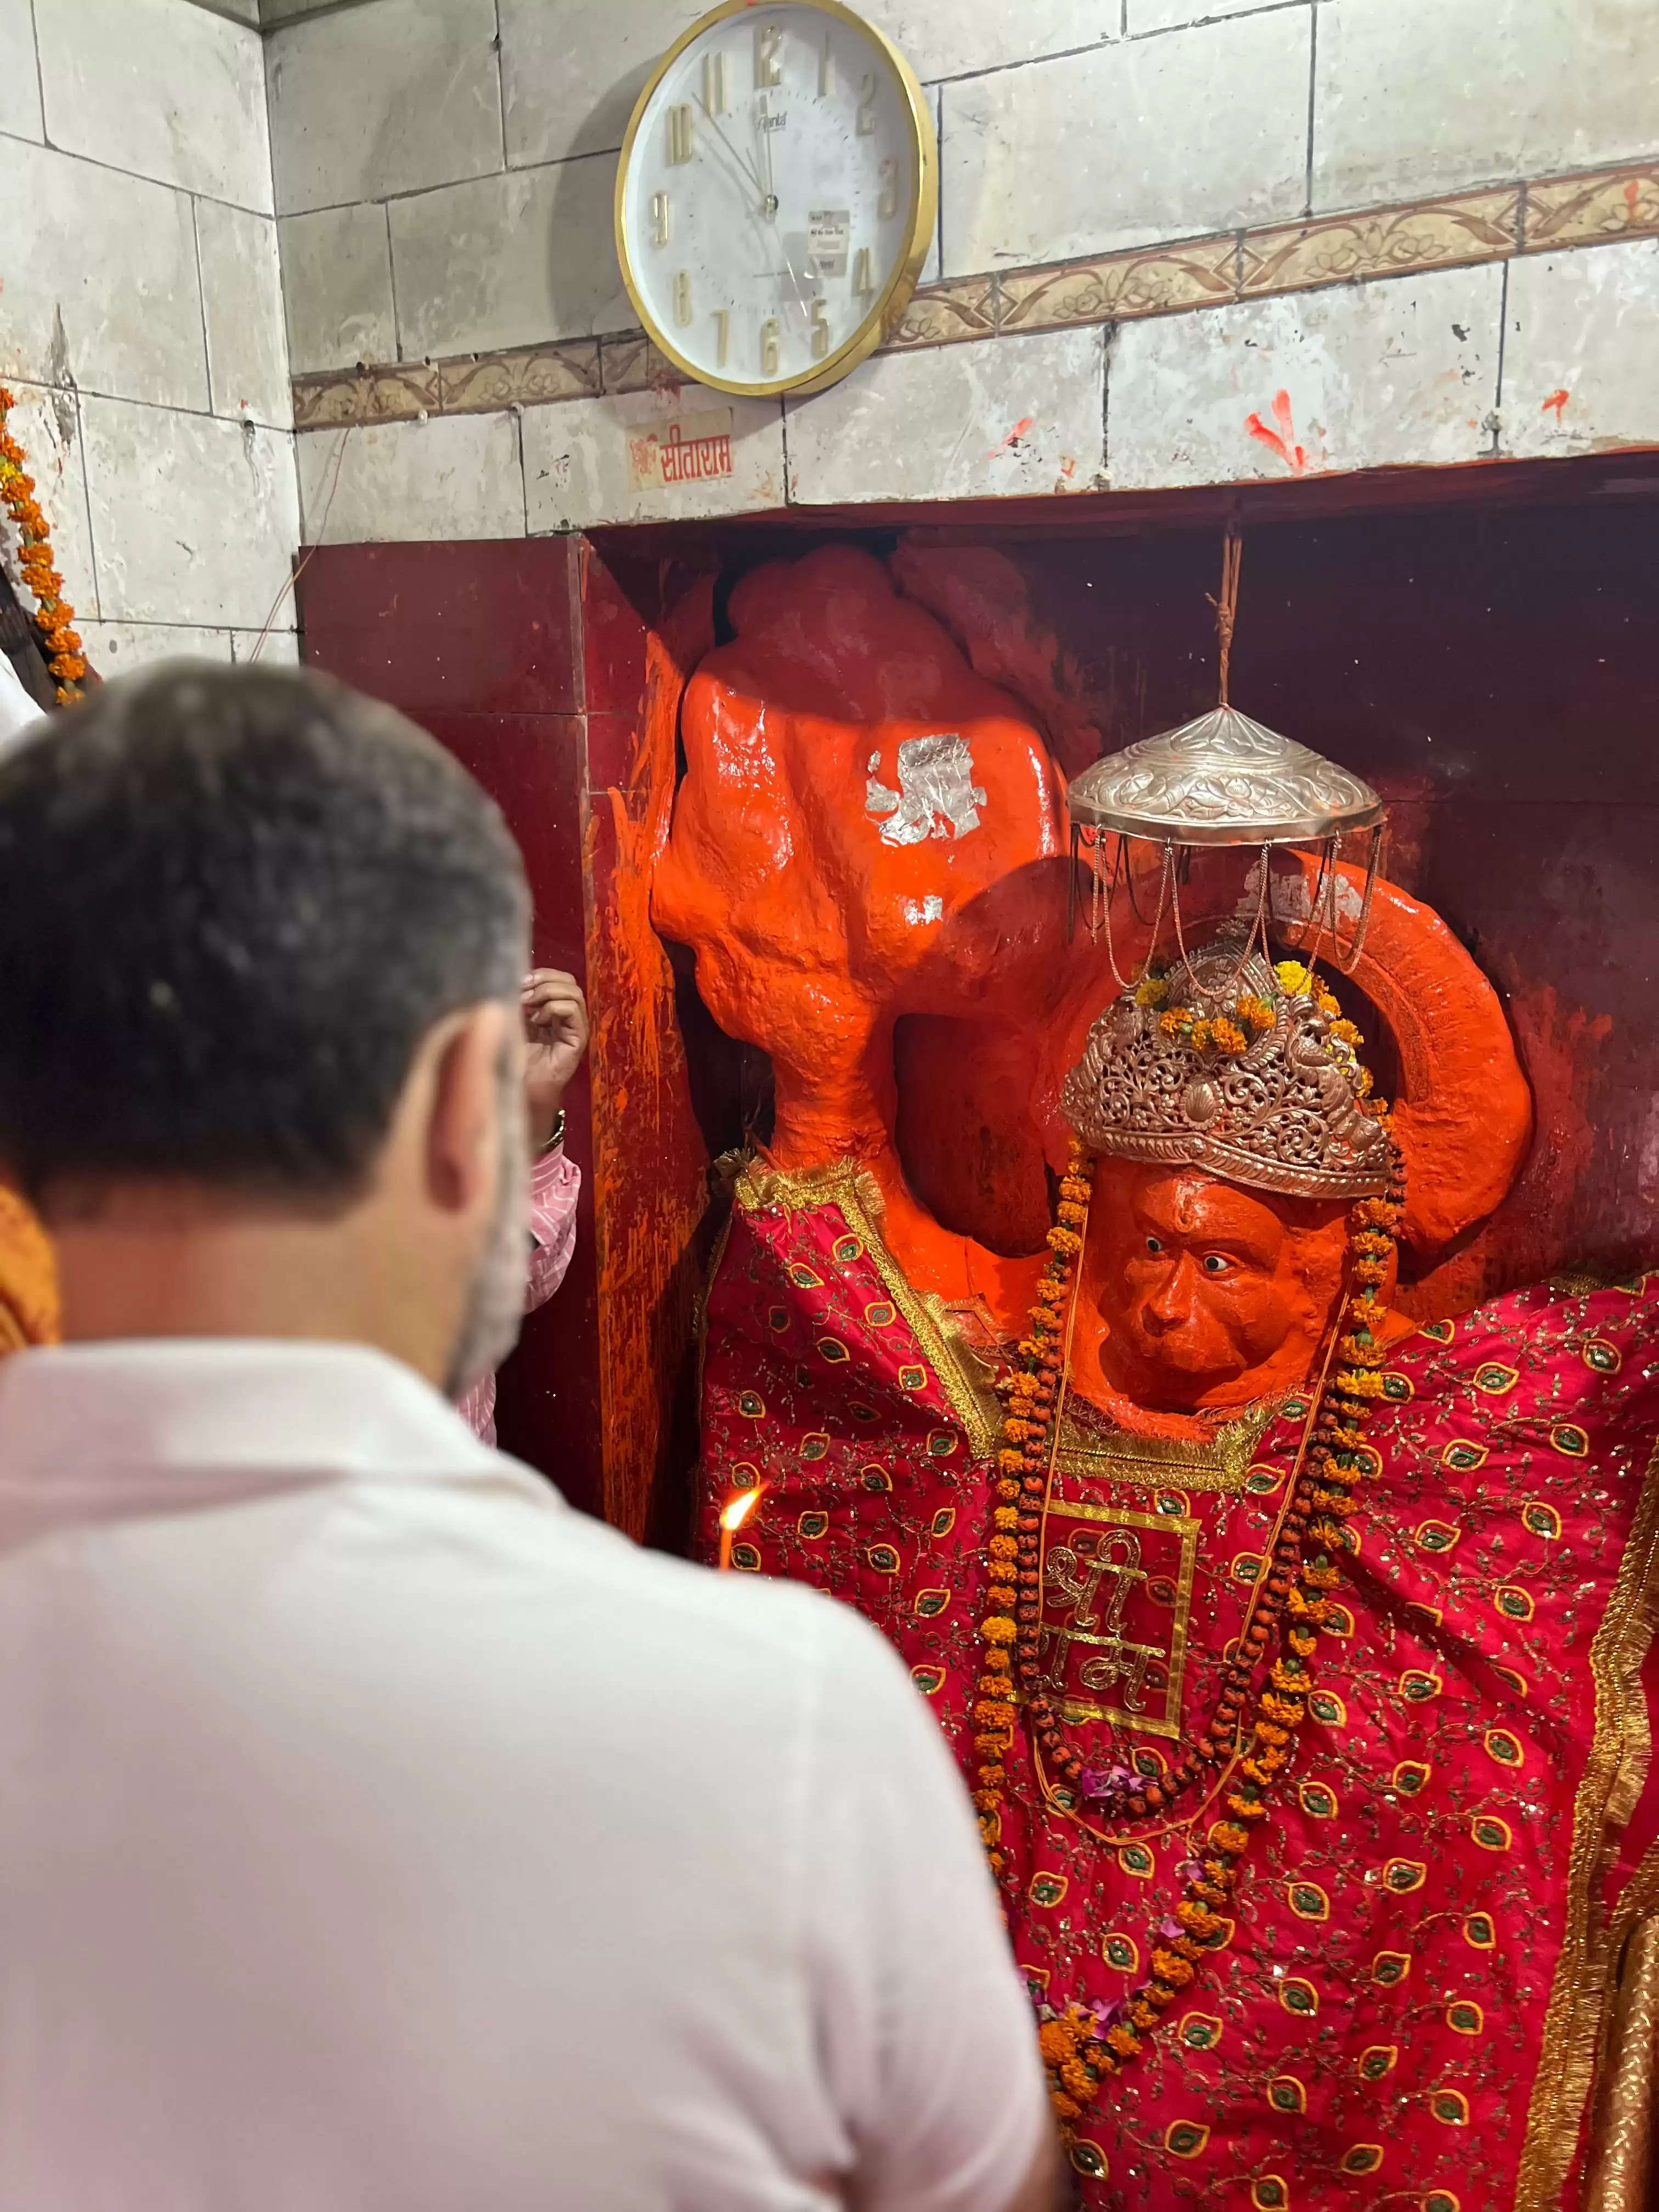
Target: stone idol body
<point x="1292" y="1647"/>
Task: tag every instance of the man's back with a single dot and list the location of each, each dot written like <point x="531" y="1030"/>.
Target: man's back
<point x="379" y="1834"/>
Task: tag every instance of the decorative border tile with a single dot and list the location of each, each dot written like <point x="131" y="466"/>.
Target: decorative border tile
<point x="338" y="397"/>
<point x="1592" y="210"/>
<point x="1595" y="207"/>
<point x="1393" y="242"/>
<point x="530" y="376"/>
<point x="944" y="314"/>
<point x="1159" y="280"/>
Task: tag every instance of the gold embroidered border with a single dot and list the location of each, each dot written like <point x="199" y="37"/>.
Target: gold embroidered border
<point x="1574" y="2025"/>
<point x="1119" y="1455"/>
<point x="855" y="1193"/>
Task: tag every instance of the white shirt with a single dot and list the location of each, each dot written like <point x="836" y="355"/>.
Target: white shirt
<point x="377" y="1834"/>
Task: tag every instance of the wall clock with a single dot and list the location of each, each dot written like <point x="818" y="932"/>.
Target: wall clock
<point x="776" y="195"/>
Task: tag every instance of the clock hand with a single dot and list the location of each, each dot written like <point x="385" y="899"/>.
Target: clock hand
<point x="749" y="176"/>
<point x="770" y="208"/>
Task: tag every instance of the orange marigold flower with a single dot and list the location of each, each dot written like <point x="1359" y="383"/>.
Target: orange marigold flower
<point x="1198" y="1037"/>
<point x="1197" y="1917"/>
<point x="1065" y="1240"/>
<point x="992" y="1745"/>
<point x="1151" y="991"/>
<point x="1230" y="1838"/>
<point x="1067" y="1211"/>
<point x="1123" y="2040"/>
<point x="1304" y="1642"/>
<point x="993" y="1777"/>
<point x="1171" y="1968"/>
<point x="997" y="1628"/>
<point x="1255" y="1013"/>
<point x="1173" y="1019"/>
<point x="1074" y="1189"/>
<point x="1227" y="1037"/>
<point x="1359" y="1382"/>
<point x="1068" y="2107"/>
<point x="1004" y="1547"/>
<point x="1005" y="1516"/>
<point x="1058" y="2039"/>
<point x="1078" y="2079"/>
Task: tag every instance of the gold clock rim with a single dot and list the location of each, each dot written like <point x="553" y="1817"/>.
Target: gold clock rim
<point x="896" y="294"/>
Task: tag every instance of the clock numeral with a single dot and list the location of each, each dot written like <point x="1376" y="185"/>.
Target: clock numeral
<point x="769" y="345"/>
<point x="768" y="70"/>
<point x="887" y="205"/>
<point x="722" y="317"/>
<point x="820" y="330"/>
<point x="714" y="84"/>
<point x="826" y="69"/>
<point x="867" y="106"/>
<point x="661" y="219"/>
<point x="679" y="134"/>
<point x="682" y="297"/>
<point x="864" y="273"/>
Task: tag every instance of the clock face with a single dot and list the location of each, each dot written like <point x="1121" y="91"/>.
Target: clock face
<point x="776" y="195"/>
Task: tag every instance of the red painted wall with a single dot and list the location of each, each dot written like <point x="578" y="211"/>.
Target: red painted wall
<point x="478" y="643"/>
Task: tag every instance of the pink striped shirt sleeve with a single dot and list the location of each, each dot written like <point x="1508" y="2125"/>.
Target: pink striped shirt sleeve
<point x="555" y="1186"/>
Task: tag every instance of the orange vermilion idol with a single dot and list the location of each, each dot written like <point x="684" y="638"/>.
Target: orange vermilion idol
<point x="1293" y="1654"/>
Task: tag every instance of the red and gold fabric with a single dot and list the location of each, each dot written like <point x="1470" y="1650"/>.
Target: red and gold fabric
<point x="1404" y="2001"/>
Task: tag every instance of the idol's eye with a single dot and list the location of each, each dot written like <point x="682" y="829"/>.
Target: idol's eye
<point x="1152" y="1245"/>
<point x="1216" y="1263"/>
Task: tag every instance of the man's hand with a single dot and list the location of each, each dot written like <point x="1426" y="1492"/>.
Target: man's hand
<point x="556" y="1035"/>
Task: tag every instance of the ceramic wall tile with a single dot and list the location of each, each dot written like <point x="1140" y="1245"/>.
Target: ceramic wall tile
<point x="20" y="77"/>
<point x="100" y="286"/>
<point x="456" y="477"/>
<point x="1199" y="131"/>
<point x="1143" y="16"/>
<point x="1154" y="280"/>
<point x="1414" y="101"/>
<point x="242" y="301"/>
<point x="1011" y="415"/>
<point x="939" y="314"/>
<point x="952" y="38"/>
<point x="195" y="519"/>
<point x="161" y="89"/>
<point x="393" y="97"/>
<point x="337" y="282"/>
<point x="276" y="648"/>
<point x="1365" y="376"/>
<point x="1580" y="354"/>
<point x="398" y="394"/>
<point x="46" y="424"/>
<point x="119" y="648"/>
<point x="652" y="457"/>
<point x="1594" y="209"/>
<point x="533" y="376"/>
<point x="570" y="75"/>
<point x="1386" y="242"/>
<point x="509" y="260"/>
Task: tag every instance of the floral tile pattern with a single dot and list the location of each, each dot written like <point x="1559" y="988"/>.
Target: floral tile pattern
<point x="939" y="314"/>
<point x="1158" y="279"/>
<point x="1386" y="242"/>
<point x="1587" y="211"/>
<point x="528" y="376"/>
<point x="337" y="397"/>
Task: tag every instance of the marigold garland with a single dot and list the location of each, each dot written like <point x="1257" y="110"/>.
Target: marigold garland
<point x="1084" y="2046"/>
<point x="53" y="613"/>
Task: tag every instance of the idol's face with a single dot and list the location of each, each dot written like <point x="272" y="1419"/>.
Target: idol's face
<point x="1207" y="1290"/>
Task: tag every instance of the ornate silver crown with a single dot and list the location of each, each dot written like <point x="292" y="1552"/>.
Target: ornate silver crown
<point x="1217" y="1065"/>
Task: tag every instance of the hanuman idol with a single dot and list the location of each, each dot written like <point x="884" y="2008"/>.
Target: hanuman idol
<point x="1292" y="1648"/>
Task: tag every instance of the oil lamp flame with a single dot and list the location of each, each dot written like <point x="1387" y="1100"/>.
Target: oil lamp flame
<point x="733" y="1514"/>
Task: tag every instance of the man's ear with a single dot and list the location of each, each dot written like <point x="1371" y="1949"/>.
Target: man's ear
<point x="472" y="1059"/>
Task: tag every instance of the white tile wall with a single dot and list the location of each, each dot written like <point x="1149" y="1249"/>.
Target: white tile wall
<point x="119" y="648"/>
<point x="100" y="282"/>
<point x="1581" y="363"/>
<point x="457" y="475"/>
<point x="280" y="648"/>
<point x="194" y="519"/>
<point x="1362" y="377"/>
<point x="19" y="78"/>
<point x="1415" y="100"/>
<point x="47" y="425"/>
<point x="509" y="260"/>
<point x="242" y="302"/>
<point x="951" y="37"/>
<point x="337" y="281"/>
<point x="1201" y="130"/>
<point x="390" y="98"/>
<point x="576" y="460"/>
<point x="159" y="90"/>
<point x="570" y="74"/>
<point x="1005" y="416"/>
